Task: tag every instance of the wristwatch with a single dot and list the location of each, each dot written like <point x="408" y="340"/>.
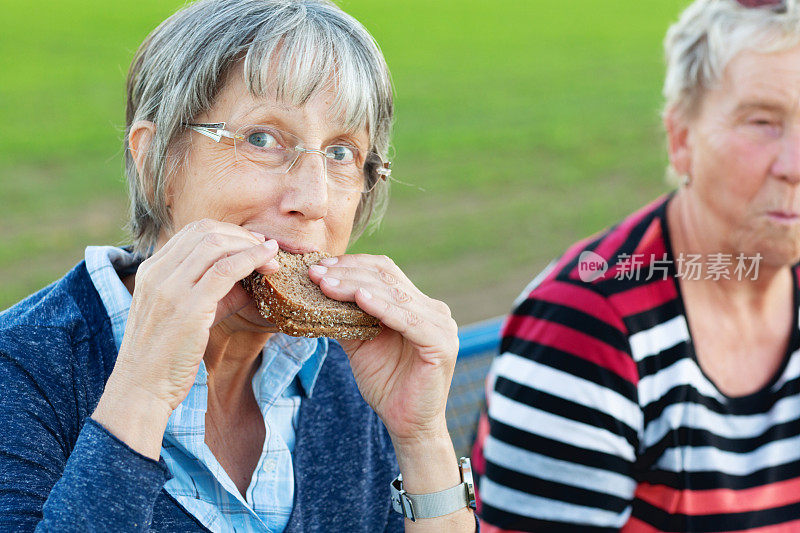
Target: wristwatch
<point x="434" y="504"/>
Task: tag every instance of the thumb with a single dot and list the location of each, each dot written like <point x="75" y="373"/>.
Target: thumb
<point x="233" y="302"/>
<point x="350" y="347"/>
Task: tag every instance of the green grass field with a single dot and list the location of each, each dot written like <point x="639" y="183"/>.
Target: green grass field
<point x="524" y="126"/>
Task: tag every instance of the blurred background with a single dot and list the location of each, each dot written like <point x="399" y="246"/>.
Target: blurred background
<point x="522" y="125"/>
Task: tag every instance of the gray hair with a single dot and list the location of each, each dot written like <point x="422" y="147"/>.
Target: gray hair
<point x="709" y="34"/>
<point x="294" y="47"/>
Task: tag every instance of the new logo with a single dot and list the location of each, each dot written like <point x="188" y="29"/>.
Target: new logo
<point x="591" y="266"/>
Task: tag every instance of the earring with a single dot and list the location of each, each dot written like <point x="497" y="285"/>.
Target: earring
<point x="686" y="181"/>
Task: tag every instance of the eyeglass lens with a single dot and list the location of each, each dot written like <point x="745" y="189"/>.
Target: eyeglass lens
<point x="278" y="152"/>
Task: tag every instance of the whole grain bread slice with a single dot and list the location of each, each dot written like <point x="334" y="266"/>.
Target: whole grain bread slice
<point x="296" y="305"/>
<point x="340" y="331"/>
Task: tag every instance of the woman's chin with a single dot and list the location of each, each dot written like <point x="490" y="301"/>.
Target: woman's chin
<point x="778" y="246"/>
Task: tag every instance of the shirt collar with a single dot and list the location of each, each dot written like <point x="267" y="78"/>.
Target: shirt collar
<point x="105" y="264"/>
<point x="309" y="372"/>
<point x="308" y="353"/>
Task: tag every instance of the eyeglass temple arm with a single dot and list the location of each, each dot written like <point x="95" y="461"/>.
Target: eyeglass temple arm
<point x="214" y="130"/>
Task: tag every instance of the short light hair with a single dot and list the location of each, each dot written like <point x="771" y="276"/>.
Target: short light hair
<point x="709" y="34"/>
<point x="295" y="48"/>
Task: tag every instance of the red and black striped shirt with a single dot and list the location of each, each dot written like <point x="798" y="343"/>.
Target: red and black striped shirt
<point x="600" y="418"/>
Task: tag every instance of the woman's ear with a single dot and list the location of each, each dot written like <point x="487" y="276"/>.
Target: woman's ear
<point x="678" y="141"/>
<point x="139" y="138"/>
<point x="141" y="133"/>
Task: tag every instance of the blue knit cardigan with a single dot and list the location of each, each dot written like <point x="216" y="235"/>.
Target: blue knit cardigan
<point x="62" y="471"/>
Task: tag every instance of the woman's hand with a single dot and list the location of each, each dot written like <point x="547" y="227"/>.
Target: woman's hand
<point x="181" y="292"/>
<point x="404" y="373"/>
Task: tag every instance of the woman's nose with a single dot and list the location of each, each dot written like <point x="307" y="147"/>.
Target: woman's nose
<point x="306" y="186"/>
<point x="787" y="166"/>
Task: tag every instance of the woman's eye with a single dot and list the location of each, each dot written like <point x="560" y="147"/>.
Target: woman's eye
<point x="262" y="139"/>
<point x="764" y="122"/>
<point x="766" y="126"/>
<point x="341" y="154"/>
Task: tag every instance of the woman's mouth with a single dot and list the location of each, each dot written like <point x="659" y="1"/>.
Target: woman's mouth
<point x="784" y="217"/>
<point x="295" y="248"/>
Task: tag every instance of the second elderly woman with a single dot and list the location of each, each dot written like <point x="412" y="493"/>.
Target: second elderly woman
<point x="650" y="380"/>
<point x="143" y="391"/>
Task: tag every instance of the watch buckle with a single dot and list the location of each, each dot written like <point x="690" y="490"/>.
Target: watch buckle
<point x="465" y="466"/>
<point x="407" y="505"/>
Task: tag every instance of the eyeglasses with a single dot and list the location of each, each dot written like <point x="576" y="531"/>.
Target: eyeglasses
<point x="346" y="167"/>
<point x="777" y="5"/>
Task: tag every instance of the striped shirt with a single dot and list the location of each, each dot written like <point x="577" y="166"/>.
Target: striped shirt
<point x="600" y="418"/>
<point x="288" y="371"/>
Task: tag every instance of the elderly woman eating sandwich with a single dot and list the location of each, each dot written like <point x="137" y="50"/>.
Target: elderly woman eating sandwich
<point x="145" y="391"/>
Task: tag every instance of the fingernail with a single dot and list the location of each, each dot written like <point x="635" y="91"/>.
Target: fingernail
<point x="271" y="244"/>
<point x="317" y="269"/>
<point x="330" y="261"/>
<point x="273" y="264"/>
<point x="365" y="293"/>
<point x="333" y="282"/>
<point x="259" y="236"/>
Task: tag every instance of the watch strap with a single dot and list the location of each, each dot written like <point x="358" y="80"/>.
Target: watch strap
<point x="435" y="504"/>
<point x="431" y="505"/>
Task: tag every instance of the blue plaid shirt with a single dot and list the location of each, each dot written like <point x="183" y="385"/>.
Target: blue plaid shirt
<point x="288" y="371"/>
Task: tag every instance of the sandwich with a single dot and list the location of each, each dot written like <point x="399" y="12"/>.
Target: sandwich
<point x="296" y="305"/>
